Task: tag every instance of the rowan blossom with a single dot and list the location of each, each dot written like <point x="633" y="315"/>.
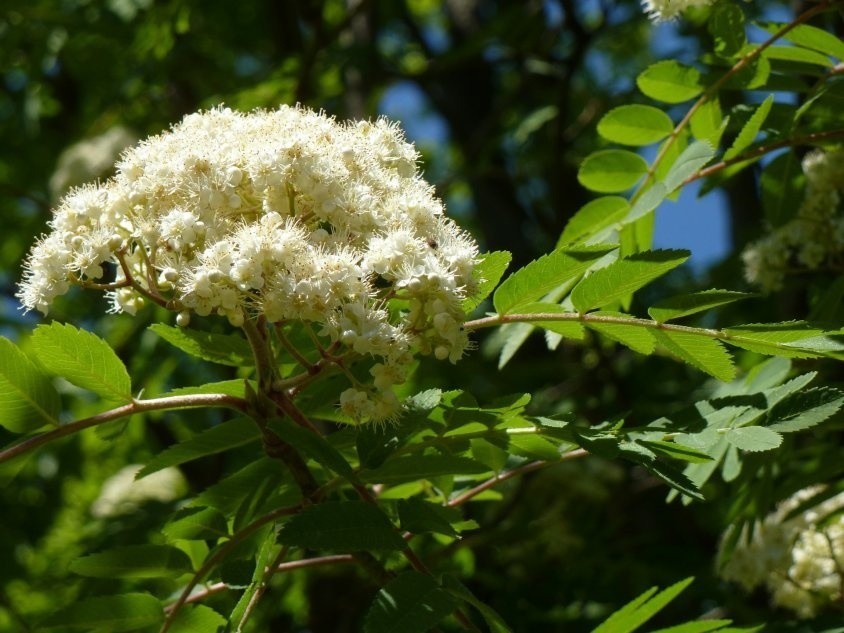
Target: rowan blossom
<point x="660" y="10"/>
<point x="814" y="238"/>
<point x="285" y="214"/>
<point x="796" y="553"/>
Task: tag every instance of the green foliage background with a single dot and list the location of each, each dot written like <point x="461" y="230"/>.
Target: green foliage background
<point x="520" y="87"/>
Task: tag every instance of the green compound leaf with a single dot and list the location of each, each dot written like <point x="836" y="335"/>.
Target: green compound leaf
<point x="635" y="125"/>
<point x="611" y="170"/>
<point x="217" y="439"/>
<point x="83" y="359"/>
<point x="109" y="614"/>
<point x="415" y="467"/>
<point x="543" y="275"/>
<point x="706" y="354"/>
<point x="223" y="349"/>
<point x="685" y="305"/>
<point x="28" y="399"/>
<point x="637" y="612"/>
<point x="753" y="438"/>
<point x="489" y="269"/>
<point x="134" y="561"/>
<point x="751" y="129"/>
<point x="412" y="603"/>
<point x="594" y="217"/>
<point x="670" y="82"/>
<point x="810" y="37"/>
<point x="624" y="277"/>
<point x="197" y="619"/>
<point x="342" y="526"/>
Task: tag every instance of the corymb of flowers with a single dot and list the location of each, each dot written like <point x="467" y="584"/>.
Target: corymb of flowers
<point x="283" y="216"/>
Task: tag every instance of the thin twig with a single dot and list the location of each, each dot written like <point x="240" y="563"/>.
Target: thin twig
<point x="530" y="467"/>
<point x="136" y="406"/>
<point x="218" y="555"/>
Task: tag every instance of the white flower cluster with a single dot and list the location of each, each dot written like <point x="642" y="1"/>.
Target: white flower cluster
<point x="799" y="560"/>
<point x="660" y="10"/>
<point x="814" y="238"/>
<point x="287" y="214"/>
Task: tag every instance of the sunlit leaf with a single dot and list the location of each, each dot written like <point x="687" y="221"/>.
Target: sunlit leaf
<point x="83" y="359"/>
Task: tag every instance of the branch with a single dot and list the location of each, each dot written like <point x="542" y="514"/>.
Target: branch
<point x="218" y="555"/>
<point x="509" y="474"/>
<point x="761" y="150"/>
<point x="136" y="406"/>
<point x="317" y="561"/>
<point x="715" y="87"/>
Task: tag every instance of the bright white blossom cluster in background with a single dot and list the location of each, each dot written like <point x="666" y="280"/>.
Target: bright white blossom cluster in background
<point x="814" y="238"/>
<point x="799" y="559"/>
<point x="89" y="159"/>
<point x="285" y="214"/>
<point x="660" y="10"/>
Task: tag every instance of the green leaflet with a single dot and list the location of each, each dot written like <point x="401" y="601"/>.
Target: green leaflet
<point x="224" y="349"/>
<point x="688" y="163"/>
<point x="489" y="269"/>
<point x="751" y="129"/>
<point x="624" y="277"/>
<point x="799" y="55"/>
<point x="109" y="614"/>
<point x="611" y="170"/>
<point x="635" y="125"/>
<point x="28" y="399"/>
<point x="707" y="123"/>
<point x="197" y="619"/>
<point x="753" y="438"/>
<point x="217" y="439"/>
<point x="636" y="337"/>
<point x="196" y="523"/>
<point x="592" y="218"/>
<point x="418" y="516"/>
<point x="670" y="82"/>
<point x="684" y="305"/>
<point x="805" y="409"/>
<point x="342" y="526"/>
<point x="459" y="590"/>
<point x="82" y="358"/>
<point x="775" y="339"/>
<point x="726" y="25"/>
<point x="543" y="275"/>
<point x="810" y="37"/>
<point x="701" y="626"/>
<point x="411" y="603"/>
<point x="706" y="354"/>
<point x="312" y="445"/>
<point x="635" y="613"/>
<point x="416" y="467"/>
<point x="134" y="561"/>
